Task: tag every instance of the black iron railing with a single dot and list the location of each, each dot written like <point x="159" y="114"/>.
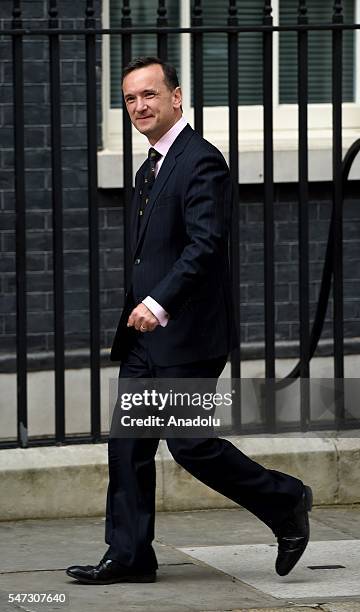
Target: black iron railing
<point x="334" y="262"/>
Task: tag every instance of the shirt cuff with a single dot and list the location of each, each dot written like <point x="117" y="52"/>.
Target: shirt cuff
<point x="157" y="310"/>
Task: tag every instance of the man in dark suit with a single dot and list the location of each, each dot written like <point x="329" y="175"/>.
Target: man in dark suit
<point x="178" y="322"/>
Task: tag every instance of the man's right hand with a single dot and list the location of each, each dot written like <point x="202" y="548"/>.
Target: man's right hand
<point x="142" y="319"/>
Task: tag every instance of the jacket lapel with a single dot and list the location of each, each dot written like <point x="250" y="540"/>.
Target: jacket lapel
<point x="166" y="168"/>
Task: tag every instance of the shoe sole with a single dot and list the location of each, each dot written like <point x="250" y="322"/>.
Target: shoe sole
<point x="146" y="578"/>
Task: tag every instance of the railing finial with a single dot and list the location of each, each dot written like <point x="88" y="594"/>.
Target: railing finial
<point x="302" y="12"/>
<point x="90" y="14"/>
<point x="16" y="13"/>
<point x="125" y="11"/>
<point x="338" y="16"/>
<point x="53" y="9"/>
<point x="90" y="8"/>
<point x="232" y="12"/>
<point x="267" y="13"/>
<point x="162" y="10"/>
<point x="197" y="10"/>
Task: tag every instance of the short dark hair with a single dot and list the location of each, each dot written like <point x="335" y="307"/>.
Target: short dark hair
<point x="170" y="74"/>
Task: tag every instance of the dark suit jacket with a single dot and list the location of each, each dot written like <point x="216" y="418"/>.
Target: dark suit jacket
<point x="181" y="256"/>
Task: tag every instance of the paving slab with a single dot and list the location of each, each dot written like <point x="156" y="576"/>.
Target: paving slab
<point x="326" y="568"/>
<point x="50" y="544"/>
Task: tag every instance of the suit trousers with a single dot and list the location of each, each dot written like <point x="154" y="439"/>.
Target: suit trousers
<point x="130" y="509"/>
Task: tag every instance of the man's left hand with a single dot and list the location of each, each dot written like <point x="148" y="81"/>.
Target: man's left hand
<point x="142" y="319"/>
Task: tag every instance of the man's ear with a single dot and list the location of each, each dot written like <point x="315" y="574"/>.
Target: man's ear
<point x="177" y="97"/>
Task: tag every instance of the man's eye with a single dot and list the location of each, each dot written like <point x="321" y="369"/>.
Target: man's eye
<point x="150" y="94"/>
<point x="129" y="100"/>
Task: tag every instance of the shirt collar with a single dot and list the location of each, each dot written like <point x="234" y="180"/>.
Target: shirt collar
<point x="165" y="142"/>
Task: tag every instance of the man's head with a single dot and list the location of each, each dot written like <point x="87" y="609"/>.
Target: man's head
<point x="152" y="96"/>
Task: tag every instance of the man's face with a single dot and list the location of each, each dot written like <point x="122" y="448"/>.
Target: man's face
<point x="152" y="107"/>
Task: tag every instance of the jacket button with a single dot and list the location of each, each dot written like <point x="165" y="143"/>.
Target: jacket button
<point x="137" y="261"/>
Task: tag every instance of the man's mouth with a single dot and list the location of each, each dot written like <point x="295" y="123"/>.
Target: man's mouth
<point x="142" y="118"/>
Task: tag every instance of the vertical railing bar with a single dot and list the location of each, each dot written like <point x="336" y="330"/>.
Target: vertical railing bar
<point x="20" y="227"/>
<point x="162" y="37"/>
<point x="198" y="85"/>
<point x="338" y="315"/>
<point x="303" y="218"/>
<point x="126" y="22"/>
<point x="269" y="275"/>
<point x="91" y="97"/>
<point x="233" y="81"/>
<point x="57" y="207"/>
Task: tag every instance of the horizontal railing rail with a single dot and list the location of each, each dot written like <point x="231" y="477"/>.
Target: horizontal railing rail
<point x="180" y="30"/>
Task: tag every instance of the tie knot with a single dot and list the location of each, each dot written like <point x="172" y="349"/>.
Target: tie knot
<point x="154" y="155"/>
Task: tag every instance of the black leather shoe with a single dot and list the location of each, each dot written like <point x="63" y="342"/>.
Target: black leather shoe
<point x="108" y="572"/>
<point x="293" y="535"/>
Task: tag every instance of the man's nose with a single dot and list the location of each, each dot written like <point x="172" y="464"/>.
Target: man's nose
<point x="140" y="104"/>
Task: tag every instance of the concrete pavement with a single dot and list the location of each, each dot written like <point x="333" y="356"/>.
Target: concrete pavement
<point x="210" y="560"/>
